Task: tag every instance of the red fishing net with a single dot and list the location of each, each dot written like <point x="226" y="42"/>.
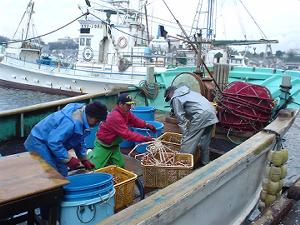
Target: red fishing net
<point x="245" y="107"/>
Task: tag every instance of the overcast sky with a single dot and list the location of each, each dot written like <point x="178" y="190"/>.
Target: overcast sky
<point x="278" y="19"/>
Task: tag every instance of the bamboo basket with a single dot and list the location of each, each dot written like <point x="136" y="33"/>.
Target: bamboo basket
<point x="176" y="139"/>
<point x="171" y="137"/>
<point x="162" y="176"/>
<point x="124" y="184"/>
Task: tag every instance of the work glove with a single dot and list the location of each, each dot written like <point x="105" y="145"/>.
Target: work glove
<point x="88" y="164"/>
<point x="151" y="127"/>
<point x="148" y="138"/>
<point x="74" y="163"/>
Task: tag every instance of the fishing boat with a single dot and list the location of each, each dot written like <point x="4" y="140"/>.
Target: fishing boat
<point x="115" y="51"/>
<point x="223" y="192"/>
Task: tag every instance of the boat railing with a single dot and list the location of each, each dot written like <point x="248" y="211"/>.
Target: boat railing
<point x="137" y="61"/>
<point x="140" y="59"/>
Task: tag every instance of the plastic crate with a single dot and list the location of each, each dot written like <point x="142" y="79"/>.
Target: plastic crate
<point x="171" y="137"/>
<point x="162" y="176"/>
<point x="124" y="182"/>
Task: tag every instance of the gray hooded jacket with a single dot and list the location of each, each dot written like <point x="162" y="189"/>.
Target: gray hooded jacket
<point x="192" y="110"/>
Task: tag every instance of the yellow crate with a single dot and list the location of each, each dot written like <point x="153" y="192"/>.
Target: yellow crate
<point x="171" y="137"/>
<point x="124" y="182"/>
<point x="162" y="176"/>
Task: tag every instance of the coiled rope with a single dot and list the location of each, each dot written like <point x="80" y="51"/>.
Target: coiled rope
<point x="149" y="90"/>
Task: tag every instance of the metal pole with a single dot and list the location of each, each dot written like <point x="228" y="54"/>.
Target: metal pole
<point x="194" y="48"/>
<point x="147" y="26"/>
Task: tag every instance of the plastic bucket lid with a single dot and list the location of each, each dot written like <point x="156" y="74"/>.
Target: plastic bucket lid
<point x="89" y="201"/>
<point x="82" y="182"/>
<point x="88" y="194"/>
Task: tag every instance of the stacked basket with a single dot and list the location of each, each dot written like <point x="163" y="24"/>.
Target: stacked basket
<point x="162" y="175"/>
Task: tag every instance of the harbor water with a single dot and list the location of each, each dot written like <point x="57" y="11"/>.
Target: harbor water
<point x="11" y="98"/>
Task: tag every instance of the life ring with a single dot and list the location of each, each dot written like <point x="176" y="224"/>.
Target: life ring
<point x="88" y="53"/>
<point x="122" y="42"/>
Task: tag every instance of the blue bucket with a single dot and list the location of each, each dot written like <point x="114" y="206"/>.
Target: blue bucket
<point x="87" y="186"/>
<point x="126" y="143"/>
<point x="90" y="139"/>
<point x="144" y="112"/>
<point x="146" y="132"/>
<point x="90" y="211"/>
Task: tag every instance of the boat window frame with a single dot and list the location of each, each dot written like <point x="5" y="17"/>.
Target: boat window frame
<point x="88" y="42"/>
<point x="82" y="41"/>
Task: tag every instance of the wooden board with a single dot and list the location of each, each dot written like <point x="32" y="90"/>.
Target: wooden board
<point x="26" y="174"/>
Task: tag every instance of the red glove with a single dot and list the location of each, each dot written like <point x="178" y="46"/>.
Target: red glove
<point x="88" y="164"/>
<point x="151" y="127"/>
<point x="73" y="163"/>
<point x="148" y="138"/>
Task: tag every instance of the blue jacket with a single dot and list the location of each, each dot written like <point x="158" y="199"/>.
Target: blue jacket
<point x="64" y="130"/>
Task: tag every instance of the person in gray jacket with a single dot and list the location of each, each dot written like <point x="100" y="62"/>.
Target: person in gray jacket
<point x="195" y="116"/>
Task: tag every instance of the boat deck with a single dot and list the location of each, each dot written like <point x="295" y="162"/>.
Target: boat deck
<point x="219" y="146"/>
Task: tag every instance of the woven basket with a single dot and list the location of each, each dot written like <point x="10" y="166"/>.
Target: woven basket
<point x="124" y="184"/>
<point x="171" y="137"/>
<point x="162" y="176"/>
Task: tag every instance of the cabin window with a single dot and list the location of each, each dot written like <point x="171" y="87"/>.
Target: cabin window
<point x="85" y="30"/>
<point x="88" y="42"/>
<point x="82" y="42"/>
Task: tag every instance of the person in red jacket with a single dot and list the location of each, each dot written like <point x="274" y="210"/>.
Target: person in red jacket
<point x="113" y="130"/>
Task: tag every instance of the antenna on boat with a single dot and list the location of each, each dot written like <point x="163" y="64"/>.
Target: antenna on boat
<point x="87" y="2"/>
<point x="199" y="58"/>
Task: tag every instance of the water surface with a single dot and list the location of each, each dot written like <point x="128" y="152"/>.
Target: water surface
<point x="11" y="98"/>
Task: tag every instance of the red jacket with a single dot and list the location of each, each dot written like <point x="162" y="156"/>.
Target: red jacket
<point x="116" y="124"/>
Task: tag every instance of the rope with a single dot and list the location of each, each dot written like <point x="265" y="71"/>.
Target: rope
<point x="234" y="142"/>
<point x="53" y="31"/>
<point x="279" y="139"/>
<point x="149" y="90"/>
<point x="263" y="34"/>
<point x="240" y="21"/>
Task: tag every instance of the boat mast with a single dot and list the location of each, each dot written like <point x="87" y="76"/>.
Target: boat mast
<point x="147" y="25"/>
<point x="210" y="16"/>
<point x="30" y="11"/>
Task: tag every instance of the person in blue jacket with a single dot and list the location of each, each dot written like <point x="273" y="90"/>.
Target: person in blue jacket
<point x="63" y="130"/>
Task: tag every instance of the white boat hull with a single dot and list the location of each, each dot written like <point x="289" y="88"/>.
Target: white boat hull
<point x="65" y="81"/>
